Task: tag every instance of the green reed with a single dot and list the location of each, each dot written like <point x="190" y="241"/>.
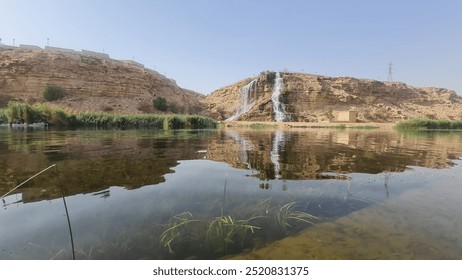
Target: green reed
<point x="26" y="113"/>
<point x="3" y="115"/>
<point x="416" y="124"/>
<point x="261" y="126"/>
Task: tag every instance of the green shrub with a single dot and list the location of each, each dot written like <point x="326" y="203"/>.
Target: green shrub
<point x="160" y="103"/>
<point x="52" y="93"/>
<point x="270" y="77"/>
<point x="3" y="116"/>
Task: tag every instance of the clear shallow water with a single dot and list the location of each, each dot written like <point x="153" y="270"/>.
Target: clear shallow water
<point x="309" y="194"/>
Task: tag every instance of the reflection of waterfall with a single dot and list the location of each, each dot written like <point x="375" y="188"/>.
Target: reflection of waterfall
<point x="248" y="94"/>
<point x="278" y="108"/>
<point x="245" y="146"/>
<point x="277" y="143"/>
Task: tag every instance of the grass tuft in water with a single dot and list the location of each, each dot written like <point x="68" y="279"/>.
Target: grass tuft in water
<point x="227" y="234"/>
<point x="225" y="230"/>
<point x="176" y="229"/>
<point x="212" y="234"/>
<point x="287" y="218"/>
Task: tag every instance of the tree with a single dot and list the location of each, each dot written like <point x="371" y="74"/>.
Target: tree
<point x="160" y="103"/>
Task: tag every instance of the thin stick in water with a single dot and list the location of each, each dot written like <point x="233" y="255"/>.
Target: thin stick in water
<point x="67" y="212"/>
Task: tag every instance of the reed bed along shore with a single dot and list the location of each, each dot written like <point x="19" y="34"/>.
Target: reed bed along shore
<point x="23" y="113"/>
<point x="416" y="124"/>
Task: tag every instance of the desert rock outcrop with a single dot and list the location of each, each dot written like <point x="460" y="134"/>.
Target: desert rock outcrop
<point x="312" y="98"/>
<point x="92" y="82"/>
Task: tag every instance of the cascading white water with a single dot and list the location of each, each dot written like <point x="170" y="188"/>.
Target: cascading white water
<point x="280" y="114"/>
<point x="248" y="94"/>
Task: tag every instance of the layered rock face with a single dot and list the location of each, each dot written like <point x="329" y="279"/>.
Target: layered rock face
<point x="92" y="82"/>
<point x="317" y="99"/>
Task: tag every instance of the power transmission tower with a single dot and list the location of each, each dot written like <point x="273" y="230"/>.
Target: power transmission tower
<point x="390" y="72"/>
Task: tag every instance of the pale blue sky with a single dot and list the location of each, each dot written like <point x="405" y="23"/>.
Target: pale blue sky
<point x="205" y="44"/>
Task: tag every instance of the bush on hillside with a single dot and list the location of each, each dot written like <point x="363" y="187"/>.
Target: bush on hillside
<point x="160" y="103"/>
<point x="52" y="93"/>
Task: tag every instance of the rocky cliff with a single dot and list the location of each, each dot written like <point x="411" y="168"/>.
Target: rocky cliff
<point x="314" y="98"/>
<point x="94" y="82"/>
<point x="91" y="82"/>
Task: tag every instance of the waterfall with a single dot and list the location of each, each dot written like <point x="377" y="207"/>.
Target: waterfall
<point x="248" y="94"/>
<point x="280" y="114"/>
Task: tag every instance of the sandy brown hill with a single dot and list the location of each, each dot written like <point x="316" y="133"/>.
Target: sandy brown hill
<point x="317" y="98"/>
<point x="92" y="82"/>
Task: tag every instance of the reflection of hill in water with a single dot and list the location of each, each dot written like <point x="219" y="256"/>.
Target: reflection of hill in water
<point x="92" y="161"/>
<point x="169" y="180"/>
<point x="309" y="154"/>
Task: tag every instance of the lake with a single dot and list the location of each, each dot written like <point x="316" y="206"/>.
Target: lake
<point x="231" y="193"/>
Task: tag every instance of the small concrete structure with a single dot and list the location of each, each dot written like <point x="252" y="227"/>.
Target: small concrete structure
<point x="346" y="116"/>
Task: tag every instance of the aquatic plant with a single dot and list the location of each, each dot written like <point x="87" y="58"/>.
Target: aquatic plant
<point x="51" y="115"/>
<point x="366" y="127"/>
<point x="20" y="112"/>
<point x="261" y="126"/>
<point x="3" y="116"/>
<point x="287" y="218"/>
<point x="25" y="113"/>
<point x="340" y="126"/>
<point x="428" y="124"/>
<point x="176" y="230"/>
<point x="224" y="230"/>
<point x="213" y="234"/>
<point x="225" y="234"/>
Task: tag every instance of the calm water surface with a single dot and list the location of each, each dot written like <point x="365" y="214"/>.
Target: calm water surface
<point x="246" y="194"/>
